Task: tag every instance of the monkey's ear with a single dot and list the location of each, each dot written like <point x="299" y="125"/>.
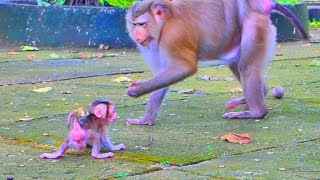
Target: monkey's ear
<point x="100" y="110"/>
<point x="160" y="11"/>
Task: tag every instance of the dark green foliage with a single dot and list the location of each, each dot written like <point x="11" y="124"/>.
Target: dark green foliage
<point x="314" y="24"/>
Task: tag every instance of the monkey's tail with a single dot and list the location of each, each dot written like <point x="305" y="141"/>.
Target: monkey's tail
<point x="292" y="17"/>
<point x="71" y="115"/>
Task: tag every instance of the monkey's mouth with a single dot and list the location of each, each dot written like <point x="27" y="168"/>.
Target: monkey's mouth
<point x="145" y="42"/>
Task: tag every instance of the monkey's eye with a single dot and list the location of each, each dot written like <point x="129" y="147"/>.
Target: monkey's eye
<point x="143" y="25"/>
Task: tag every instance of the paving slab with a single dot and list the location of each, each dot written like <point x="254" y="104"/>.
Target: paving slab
<point x="37" y="71"/>
<point x="21" y="161"/>
<point x="292" y="161"/>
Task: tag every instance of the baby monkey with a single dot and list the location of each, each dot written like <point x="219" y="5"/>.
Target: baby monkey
<point x="90" y="131"/>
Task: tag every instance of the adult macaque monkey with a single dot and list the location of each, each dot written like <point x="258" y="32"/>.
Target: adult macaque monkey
<point x="174" y="34"/>
<point x="90" y="130"/>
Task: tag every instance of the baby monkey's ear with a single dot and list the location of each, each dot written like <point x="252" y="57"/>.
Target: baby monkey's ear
<point x="100" y="110"/>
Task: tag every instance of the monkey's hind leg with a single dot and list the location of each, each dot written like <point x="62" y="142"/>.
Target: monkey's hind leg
<point x="256" y="47"/>
<point x="233" y="64"/>
<point x="58" y="154"/>
<point x="96" y="151"/>
<point x="232" y="104"/>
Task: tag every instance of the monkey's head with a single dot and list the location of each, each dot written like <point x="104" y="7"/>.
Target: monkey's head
<point x="145" y="20"/>
<point x="104" y="109"/>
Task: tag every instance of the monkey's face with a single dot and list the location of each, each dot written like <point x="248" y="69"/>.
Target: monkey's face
<point x="145" y="20"/>
<point x="141" y="35"/>
<point x="112" y="115"/>
<point x="139" y="30"/>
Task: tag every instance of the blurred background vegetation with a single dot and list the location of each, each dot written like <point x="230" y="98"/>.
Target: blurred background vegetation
<point x="121" y="3"/>
<point x="289" y="1"/>
<point x="128" y="3"/>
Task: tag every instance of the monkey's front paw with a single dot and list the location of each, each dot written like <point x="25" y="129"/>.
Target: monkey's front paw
<point x="102" y="156"/>
<point x="135" y="89"/>
<point x="43" y="156"/>
<point x="49" y="156"/>
<point x="244" y="115"/>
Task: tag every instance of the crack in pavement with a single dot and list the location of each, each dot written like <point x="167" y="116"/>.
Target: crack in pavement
<point x="71" y="78"/>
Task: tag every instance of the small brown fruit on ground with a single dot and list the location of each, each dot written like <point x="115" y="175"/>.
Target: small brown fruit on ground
<point x="278" y="92"/>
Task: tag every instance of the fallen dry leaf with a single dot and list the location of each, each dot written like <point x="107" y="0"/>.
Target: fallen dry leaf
<point x="31" y="56"/>
<point x="55" y="56"/>
<point x="144" y="148"/>
<point x="29" y="48"/>
<point x="236" y="90"/>
<point x="43" y="90"/>
<point x="187" y="91"/>
<point x="237" y="138"/>
<point x="85" y="56"/>
<point x="228" y="79"/>
<point x="26" y="119"/>
<point x="215" y="79"/>
<point x="122" y="79"/>
<point x="99" y="55"/>
<point x="112" y="55"/>
<point x="80" y="112"/>
<point x="13" y="53"/>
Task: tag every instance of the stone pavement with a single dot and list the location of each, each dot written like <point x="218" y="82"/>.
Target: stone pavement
<point x="185" y="142"/>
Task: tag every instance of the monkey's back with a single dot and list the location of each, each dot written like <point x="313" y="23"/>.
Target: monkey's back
<point x="221" y="19"/>
<point x="92" y="122"/>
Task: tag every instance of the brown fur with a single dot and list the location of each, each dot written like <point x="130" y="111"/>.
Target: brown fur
<point x="173" y="35"/>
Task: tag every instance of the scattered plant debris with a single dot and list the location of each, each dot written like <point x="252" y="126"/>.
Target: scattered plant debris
<point x="29" y="48"/>
<point x="122" y="175"/>
<point x="42" y="90"/>
<point x="55" y="56"/>
<point x="31" y="56"/>
<point x="13" y="53"/>
<point x="187" y="91"/>
<point x="236" y="90"/>
<point x="315" y="63"/>
<point x="237" y="138"/>
<point x="278" y="92"/>
<point x="122" y="79"/>
<point x="165" y="163"/>
<point x="80" y="112"/>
